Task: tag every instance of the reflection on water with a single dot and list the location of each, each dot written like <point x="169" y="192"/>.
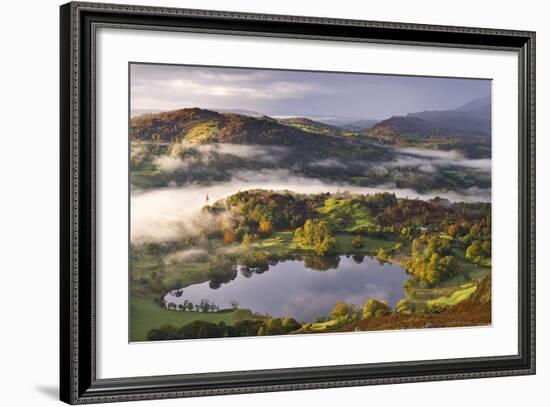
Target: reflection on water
<point x="300" y="289"/>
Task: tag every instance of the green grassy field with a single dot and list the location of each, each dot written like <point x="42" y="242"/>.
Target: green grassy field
<point x="346" y="214"/>
<point x="370" y="245"/>
<point x="145" y="315"/>
<point x="201" y="133"/>
<point x="281" y="244"/>
<point x="460" y="294"/>
<point x="322" y="326"/>
<point x="310" y="128"/>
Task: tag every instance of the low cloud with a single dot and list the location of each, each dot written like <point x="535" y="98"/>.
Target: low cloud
<point x="205" y="154"/>
<point x="186" y="255"/>
<point x="429" y="161"/>
<point x="429" y="153"/>
<point x="328" y="163"/>
<point x="169" y="214"/>
<point x="249" y="151"/>
<point x="169" y="164"/>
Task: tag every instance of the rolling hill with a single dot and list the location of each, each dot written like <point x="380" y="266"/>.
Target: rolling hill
<point x="202" y="126"/>
<point x="310" y="126"/>
<point x="212" y="146"/>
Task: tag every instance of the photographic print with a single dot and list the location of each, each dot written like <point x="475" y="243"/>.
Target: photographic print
<point x="284" y="202"/>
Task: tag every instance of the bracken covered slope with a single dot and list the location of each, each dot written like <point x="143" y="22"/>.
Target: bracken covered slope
<point x="474" y="311"/>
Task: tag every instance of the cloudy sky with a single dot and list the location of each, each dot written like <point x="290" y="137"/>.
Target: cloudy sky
<point x="297" y="93"/>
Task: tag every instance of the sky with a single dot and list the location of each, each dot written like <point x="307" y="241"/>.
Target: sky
<point x="297" y="93"/>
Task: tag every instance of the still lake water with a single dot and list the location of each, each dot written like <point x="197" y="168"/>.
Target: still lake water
<point x="290" y="289"/>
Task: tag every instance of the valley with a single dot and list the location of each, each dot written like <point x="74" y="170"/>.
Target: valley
<point x="243" y="224"/>
<point x="198" y="145"/>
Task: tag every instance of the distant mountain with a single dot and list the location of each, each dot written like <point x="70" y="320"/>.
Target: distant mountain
<point x="473" y="117"/>
<point x="481" y="103"/>
<point x="345" y="123"/>
<point x="470" y="121"/>
<point x="396" y="126"/>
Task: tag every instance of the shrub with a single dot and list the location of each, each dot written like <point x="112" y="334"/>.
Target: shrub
<point x="247" y="327"/>
<point x="452" y="230"/>
<point x="404" y="306"/>
<point x="198" y="329"/>
<point x="382" y="254"/>
<point x="326" y="247"/>
<point x="290" y="324"/>
<point x="375" y="309"/>
<point x="435" y="308"/>
<point x="358" y="242"/>
<point x="164" y="333"/>
<point x="343" y="310"/>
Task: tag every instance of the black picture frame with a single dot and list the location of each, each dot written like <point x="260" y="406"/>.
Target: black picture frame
<point x="78" y="382"/>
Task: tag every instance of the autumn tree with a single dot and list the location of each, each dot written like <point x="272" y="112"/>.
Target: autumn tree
<point x="475" y="231"/>
<point x="326" y="247"/>
<point x="342" y="310"/>
<point x="265" y="227"/>
<point x="229" y="237"/>
<point x="478" y="250"/>
<point x="317" y="235"/>
<point x="452" y="230"/>
<point x="374" y="309"/>
<point x="433" y="272"/>
<point x="432" y="261"/>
